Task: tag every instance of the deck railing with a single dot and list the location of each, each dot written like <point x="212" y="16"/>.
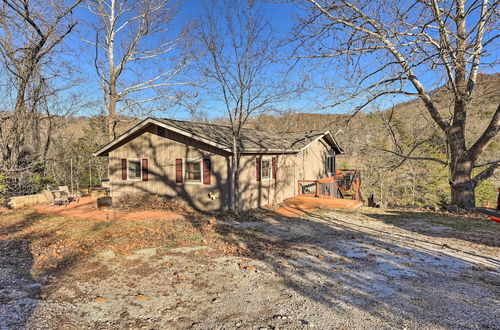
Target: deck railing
<point x="344" y="184"/>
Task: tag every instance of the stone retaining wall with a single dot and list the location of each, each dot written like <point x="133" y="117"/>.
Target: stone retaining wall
<point x="20" y="201"/>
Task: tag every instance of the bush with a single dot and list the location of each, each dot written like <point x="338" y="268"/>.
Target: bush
<point x="486" y="192"/>
<point x="132" y="202"/>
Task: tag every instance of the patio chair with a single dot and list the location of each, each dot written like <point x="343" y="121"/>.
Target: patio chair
<point x="75" y="197"/>
<point x="60" y="197"/>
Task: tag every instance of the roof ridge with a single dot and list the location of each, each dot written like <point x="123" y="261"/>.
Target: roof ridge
<point x="246" y="128"/>
<point x="192" y="122"/>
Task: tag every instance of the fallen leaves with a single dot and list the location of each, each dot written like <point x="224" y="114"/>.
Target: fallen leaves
<point x="243" y="265"/>
<point x="53" y="240"/>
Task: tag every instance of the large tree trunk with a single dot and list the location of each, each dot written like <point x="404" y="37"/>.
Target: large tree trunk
<point x="112" y="100"/>
<point x="462" y="187"/>
<point x="111" y="117"/>
<point x="461" y="162"/>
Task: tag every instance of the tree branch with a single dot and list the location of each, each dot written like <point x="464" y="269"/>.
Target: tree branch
<point x="488" y="135"/>
<point x="484" y="174"/>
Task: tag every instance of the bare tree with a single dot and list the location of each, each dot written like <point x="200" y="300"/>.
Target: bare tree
<point x="240" y="68"/>
<point x="409" y="49"/>
<point x="31" y="36"/>
<point x="134" y="59"/>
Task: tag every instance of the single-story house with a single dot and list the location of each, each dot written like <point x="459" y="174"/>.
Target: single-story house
<point x="192" y="160"/>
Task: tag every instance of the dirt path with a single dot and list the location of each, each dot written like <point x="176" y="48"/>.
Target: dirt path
<point x="328" y="271"/>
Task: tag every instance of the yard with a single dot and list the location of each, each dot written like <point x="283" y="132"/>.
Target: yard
<point x="368" y="268"/>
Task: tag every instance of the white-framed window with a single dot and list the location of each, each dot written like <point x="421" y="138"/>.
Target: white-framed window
<point x="193" y="170"/>
<point x="134" y="169"/>
<point x="266" y="168"/>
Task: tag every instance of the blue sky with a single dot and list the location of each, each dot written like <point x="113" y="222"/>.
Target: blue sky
<point x="281" y="16"/>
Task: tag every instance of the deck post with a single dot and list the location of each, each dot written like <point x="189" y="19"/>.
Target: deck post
<point x="317" y="188"/>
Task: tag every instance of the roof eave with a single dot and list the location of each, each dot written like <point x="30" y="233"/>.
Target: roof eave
<point x="104" y="151"/>
<point x="337" y="146"/>
<point x="269" y="151"/>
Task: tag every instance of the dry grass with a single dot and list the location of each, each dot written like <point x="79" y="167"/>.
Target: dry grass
<point x="55" y="241"/>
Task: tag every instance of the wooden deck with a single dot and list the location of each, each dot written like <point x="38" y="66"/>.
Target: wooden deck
<point x="345" y="184"/>
<point x="302" y="204"/>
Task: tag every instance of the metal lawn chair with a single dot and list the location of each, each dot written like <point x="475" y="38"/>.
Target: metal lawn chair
<point x="61" y="197"/>
<point x="71" y="197"/>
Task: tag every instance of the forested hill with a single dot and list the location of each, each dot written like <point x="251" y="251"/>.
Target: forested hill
<point x="364" y="137"/>
<point x="369" y="138"/>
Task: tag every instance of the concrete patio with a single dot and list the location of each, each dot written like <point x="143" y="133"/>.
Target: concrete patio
<point x="86" y="208"/>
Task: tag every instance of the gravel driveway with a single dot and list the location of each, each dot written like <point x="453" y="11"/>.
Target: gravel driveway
<point x="327" y="270"/>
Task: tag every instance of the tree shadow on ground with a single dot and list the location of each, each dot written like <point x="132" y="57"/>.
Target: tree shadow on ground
<point x="344" y="266"/>
<point x="474" y="230"/>
<point x="21" y="286"/>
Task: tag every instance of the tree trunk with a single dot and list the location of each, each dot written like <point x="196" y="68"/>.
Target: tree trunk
<point x="235" y="187"/>
<point x="111" y="118"/>
<point x="462" y="187"/>
<point x="112" y="99"/>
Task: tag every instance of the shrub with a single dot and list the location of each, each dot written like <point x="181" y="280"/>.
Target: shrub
<point x="486" y="192"/>
<point x="132" y="202"/>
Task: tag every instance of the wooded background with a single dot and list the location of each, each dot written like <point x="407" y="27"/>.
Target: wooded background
<point x="402" y="135"/>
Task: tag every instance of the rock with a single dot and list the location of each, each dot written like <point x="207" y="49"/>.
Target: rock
<point x="104" y="202"/>
<point x="451" y="208"/>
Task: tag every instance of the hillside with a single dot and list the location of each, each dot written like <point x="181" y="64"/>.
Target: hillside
<point x="364" y="135"/>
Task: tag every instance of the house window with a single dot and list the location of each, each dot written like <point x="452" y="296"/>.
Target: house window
<point x="192" y="170"/>
<point x="134" y="169"/>
<point x="330" y="165"/>
<point x="265" y="168"/>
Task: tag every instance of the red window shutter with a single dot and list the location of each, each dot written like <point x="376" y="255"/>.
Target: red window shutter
<point x="178" y="170"/>
<point x="257" y="168"/>
<point x="275" y="167"/>
<point x="206" y="171"/>
<point x="124" y="169"/>
<point x="145" y="169"/>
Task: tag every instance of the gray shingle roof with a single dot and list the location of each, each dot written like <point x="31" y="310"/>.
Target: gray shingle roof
<point x="251" y="139"/>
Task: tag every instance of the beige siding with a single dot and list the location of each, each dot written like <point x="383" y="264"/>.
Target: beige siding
<point x="161" y="153"/>
<point x="311" y="162"/>
<point x="266" y="191"/>
<point x="308" y="164"/>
